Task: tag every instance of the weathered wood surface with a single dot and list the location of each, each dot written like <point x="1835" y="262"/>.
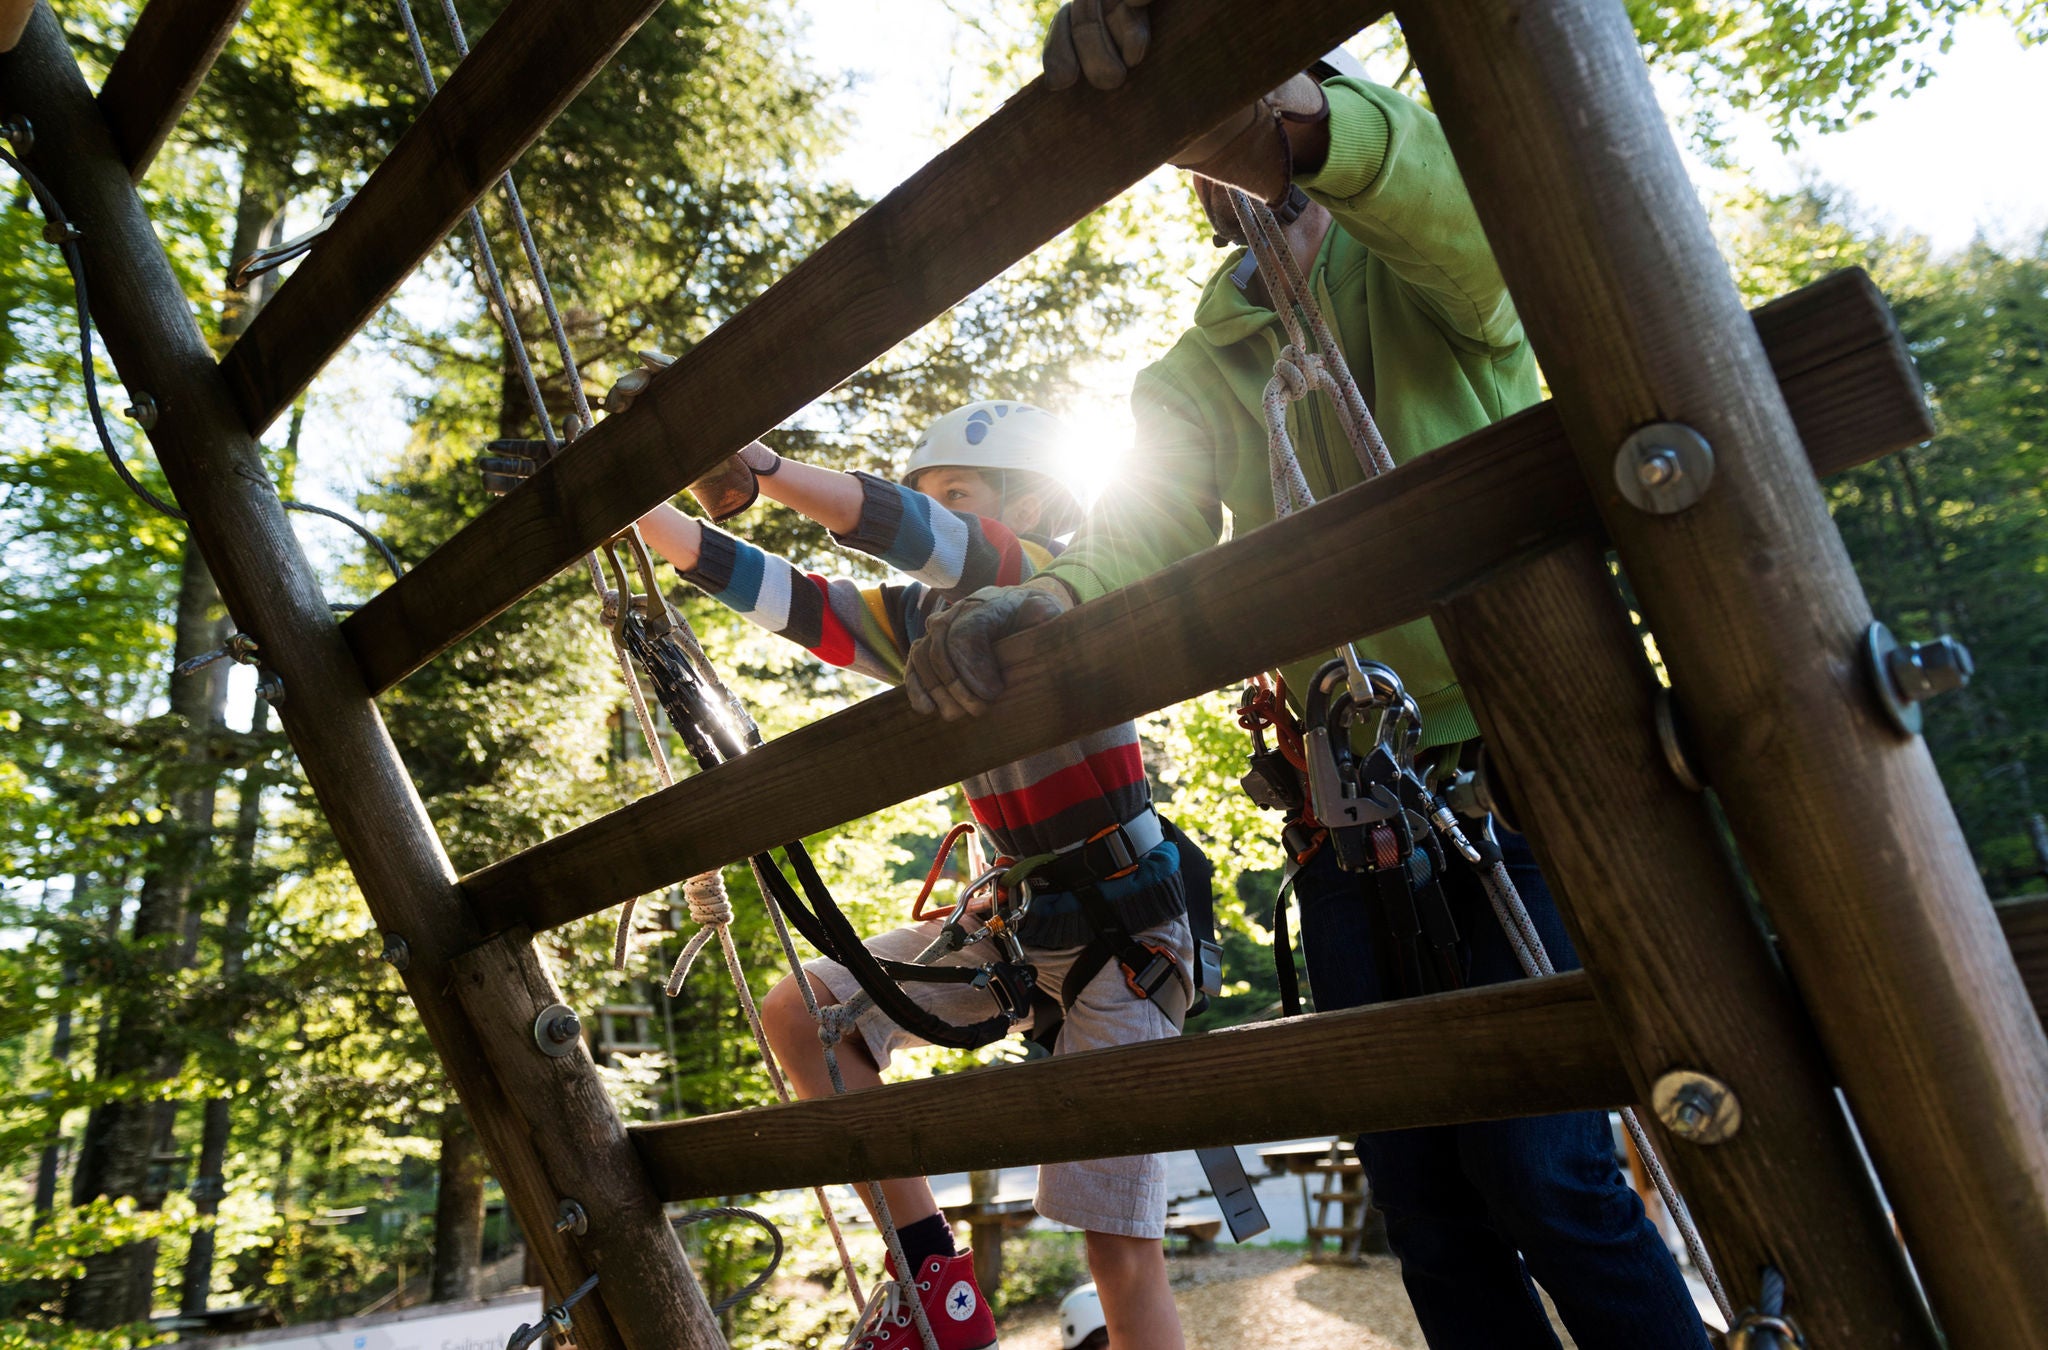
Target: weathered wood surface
<point x="1531" y="1047"/>
<point x="1028" y="172"/>
<point x="2025" y="922"/>
<point x="216" y="472"/>
<point x="169" y="50"/>
<point x="1274" y="594"/>
<point x="591" y="1161"/>
<point x="1685" y="976"/>
<point x="1841" y="822"/>
<point x="519" y="76"/>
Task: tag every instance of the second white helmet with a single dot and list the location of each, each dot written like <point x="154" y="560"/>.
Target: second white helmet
<point x="1080" y="1317"/>
<point x="991" y="434"/>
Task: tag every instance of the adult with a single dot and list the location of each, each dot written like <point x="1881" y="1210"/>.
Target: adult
<point x="1364" y="182"/>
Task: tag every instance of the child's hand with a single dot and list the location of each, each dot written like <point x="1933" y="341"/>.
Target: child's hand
<point x="953" y="669"/>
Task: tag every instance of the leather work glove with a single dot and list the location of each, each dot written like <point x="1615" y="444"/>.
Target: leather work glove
<point x="953" y="669"/>
<point x="633" y="383"/>
<point x="735" y="484"/>
<point x="507" y="464"/>
<point x="728" y="489"/>
<point x="1101" y="39"/>
<point x="1250" y="149"/>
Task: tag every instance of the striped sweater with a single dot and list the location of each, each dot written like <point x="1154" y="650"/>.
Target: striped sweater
<point x="1044" y="801"/>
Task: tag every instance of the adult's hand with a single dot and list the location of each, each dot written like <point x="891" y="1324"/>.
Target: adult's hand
<point x="630" y="385"/>
<point x="953" y="669"/>
<point x="1099" y="39"/>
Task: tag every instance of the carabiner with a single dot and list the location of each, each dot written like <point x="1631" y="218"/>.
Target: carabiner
<point x="277" y="255"/>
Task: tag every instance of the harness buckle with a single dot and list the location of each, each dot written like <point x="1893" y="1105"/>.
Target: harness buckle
<point x="1111" y="853"/>
<point x="1147" y="983"/>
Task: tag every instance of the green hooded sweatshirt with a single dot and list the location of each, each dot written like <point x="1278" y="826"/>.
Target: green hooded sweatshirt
<point x="1419" y="308"/>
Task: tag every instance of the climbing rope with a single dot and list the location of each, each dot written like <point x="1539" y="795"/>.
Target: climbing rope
<point x="1301" y="368"/>
<point x="704" y="894"/>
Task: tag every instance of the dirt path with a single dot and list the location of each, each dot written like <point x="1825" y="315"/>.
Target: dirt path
<point x="1271" y="1299"/>
<point x="1274" y="1300"/>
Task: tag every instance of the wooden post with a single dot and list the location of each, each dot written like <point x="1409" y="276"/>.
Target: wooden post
<point x="1841" y="821"/>
<point x="217" y="475"/>
<point x="1687" y="980"/>
<point x="985" y="1229"/>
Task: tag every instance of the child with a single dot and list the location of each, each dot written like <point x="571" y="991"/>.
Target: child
<point x="978" y="506"/>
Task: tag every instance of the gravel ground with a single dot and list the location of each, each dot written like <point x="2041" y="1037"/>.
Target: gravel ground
<point x="1251" y="1296"/>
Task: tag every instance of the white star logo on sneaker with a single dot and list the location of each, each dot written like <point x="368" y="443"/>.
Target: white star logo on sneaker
<point x="960" y="1301"/>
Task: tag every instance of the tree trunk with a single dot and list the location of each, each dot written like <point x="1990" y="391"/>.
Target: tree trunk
<point x="209" y="1184"/>
<point x="459" y="1208"/>
<point x="50" y="1164"/>
<point x="130" y="1144"/>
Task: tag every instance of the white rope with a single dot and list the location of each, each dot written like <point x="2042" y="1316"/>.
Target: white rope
<point x="715" y="916"/>
<point x="1297" y="370"/>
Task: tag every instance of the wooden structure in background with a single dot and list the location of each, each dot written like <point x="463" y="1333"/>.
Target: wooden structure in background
<point x="1907" y="996"/>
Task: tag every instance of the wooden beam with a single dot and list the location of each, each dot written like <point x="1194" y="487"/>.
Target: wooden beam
<point x="168" y="52"/>
<point x="1274" y="594"/>
<point x="521" y="74"/>
<point x="1530" y="1047"/>
<point x="2025" y="922"/>
<point x="215" y="469"/>
<point x="1684" y="975"/>
<point x="1027" y="173"/>
<point x="1841" y="821"/>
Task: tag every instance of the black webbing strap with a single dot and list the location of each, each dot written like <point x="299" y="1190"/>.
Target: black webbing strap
<point x="1283" y="952"/>
<point x="693" y="709"/>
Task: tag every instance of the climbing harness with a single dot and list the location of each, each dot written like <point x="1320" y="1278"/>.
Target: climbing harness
<point x="1348" y="788"/>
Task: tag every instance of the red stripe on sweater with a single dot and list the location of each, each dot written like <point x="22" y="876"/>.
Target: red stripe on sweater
<point x="1101" y="773"/>
<point x="1009" y="553"/>
<point x="835" y="644"/>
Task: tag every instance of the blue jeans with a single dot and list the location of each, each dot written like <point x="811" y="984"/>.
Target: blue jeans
<point x="1473" y="1211"/>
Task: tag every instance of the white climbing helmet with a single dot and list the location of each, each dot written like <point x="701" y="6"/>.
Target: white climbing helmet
<point x="1335" y="62"/>
<point x="992" y="434"/>
<point x="1080" y="1316"/>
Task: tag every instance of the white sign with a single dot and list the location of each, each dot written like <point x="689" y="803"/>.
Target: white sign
<point x="446" y="1326"/>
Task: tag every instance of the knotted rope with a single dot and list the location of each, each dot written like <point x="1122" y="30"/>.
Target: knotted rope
<point x="716" y="915"/>
<point x="1301" y="367"/>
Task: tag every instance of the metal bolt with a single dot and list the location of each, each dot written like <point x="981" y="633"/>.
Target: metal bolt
<point x="557" y="1030"/>
<point x="1663" y="468"/>
<point x="61" y="232"/>
<point x="142" y="412"/>
<point x="570" y="1218"/>
<point x="1929" y="668"/>
<point x="1658" y="468"/>
<point x="1907" y="676"/>
<point x="397" y="952"/>
<point x="20" y="133"/>
<point x="270" y="687"/>
<point x="1696" y="1107"/>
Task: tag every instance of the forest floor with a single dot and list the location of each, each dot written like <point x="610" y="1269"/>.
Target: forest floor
<point x="1266" y="1297"/>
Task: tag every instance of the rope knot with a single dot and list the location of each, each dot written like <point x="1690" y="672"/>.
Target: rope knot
<point x="707" y="901"/>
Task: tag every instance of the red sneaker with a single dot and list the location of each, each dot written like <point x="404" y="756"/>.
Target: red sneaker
<point x="953" y="1304"/>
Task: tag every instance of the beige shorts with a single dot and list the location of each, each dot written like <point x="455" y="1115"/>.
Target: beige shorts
<point x="1123" y="1196"/>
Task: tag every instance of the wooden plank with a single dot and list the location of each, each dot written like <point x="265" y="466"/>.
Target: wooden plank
<point x="520" y="75"/>
<point x="1027" y="173"/>
<point x="216" y="471"/>
<point x="1684" y="975"/>
<point x="593" y="1163"/>
<point x="2025" y="922"/>
<point x="1841" y="821"/>
<point x="1274" y="594"/>
<point x="1530" y="1047"/>
<point x="168" y="52"/>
